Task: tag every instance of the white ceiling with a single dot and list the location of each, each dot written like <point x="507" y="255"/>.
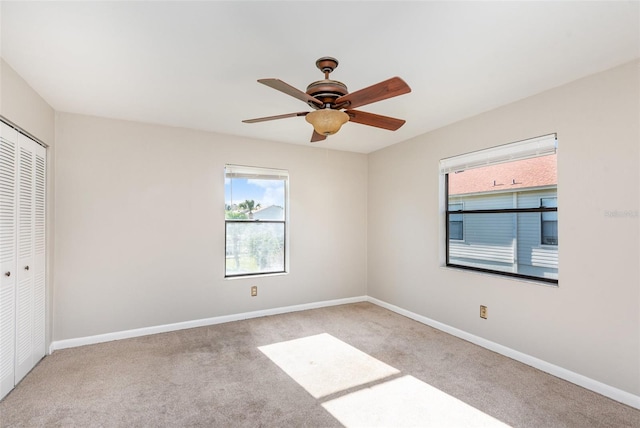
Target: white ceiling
<point x="195" y="64"/>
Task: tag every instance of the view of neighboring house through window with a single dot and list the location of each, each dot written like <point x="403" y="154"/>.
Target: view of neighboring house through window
<point x="549" y="225"/>
<point x="455" y="223"/>
<point x="502" y="208"/>
<point x="255" y="220"/>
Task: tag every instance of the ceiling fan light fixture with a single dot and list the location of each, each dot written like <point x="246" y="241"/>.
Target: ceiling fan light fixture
<point x="327" y="121"/>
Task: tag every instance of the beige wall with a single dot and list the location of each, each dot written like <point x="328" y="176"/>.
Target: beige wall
<point x="24" y="107"/>
<point x="21" y="105"/>
<point x="590" y="324"/>
<point x="140" y="226"/>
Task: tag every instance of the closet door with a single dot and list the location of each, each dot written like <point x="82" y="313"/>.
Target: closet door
<point x="8" y="150"/>
<point x="30" y="275"/>
<point x="39" y="250"/>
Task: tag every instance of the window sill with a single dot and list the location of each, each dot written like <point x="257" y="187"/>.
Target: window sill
<point x="502" y="276"/>
<point x="255" y="275"/>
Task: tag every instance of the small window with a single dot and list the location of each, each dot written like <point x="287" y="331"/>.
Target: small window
<point x="456" y="226"/>
<point x="549" y="222"/>
<point x="255" y="220"/>
<point x="501" y="214"/>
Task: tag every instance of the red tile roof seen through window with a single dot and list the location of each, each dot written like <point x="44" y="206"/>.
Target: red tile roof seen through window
<point x="535" y="172"/>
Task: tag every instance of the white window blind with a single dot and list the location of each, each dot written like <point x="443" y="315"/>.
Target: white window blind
<point x="530" y="148"/>
<point x="240" y="171"/>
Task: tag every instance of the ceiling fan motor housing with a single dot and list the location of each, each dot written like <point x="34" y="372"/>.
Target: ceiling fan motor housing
<point x="327" y="91"/>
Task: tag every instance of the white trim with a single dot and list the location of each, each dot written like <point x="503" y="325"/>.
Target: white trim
<point x="127" y="334"/>
<point x="575" y="378"/>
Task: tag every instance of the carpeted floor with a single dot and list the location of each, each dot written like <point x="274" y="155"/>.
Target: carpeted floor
<point x="259" y="372"/>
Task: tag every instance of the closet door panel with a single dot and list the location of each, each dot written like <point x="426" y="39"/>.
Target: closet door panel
<point x="8" y="150"/>
<point x="25" y="297"/>
<point x="39" y="250"/>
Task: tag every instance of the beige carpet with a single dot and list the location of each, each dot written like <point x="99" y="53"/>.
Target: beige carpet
<point x="351" y="365"/>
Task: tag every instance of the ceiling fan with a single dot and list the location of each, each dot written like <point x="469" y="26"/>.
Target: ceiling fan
<point x="334" y="104"/>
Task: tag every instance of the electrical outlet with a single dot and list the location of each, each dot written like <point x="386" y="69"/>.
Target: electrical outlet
<point x="483" y="312"/>
<point x="254" y="291"/>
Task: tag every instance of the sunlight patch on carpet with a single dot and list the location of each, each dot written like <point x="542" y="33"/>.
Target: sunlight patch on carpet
<point x="406" y="402"/>
<point x="372" y="393"/>
<point x="324" y="365"/>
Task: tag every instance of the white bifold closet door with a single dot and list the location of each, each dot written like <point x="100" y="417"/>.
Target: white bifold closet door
<point x="22" y="255"/>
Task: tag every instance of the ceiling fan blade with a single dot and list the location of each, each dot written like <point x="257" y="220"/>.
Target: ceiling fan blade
<point x="379" y="121"/>
<point x="280" y="116"/>
<point x="315" y="137"/>
<point x="378" y="92"/>
<point x="290" y="90"/>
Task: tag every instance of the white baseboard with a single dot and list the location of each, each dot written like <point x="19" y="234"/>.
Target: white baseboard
<point x="578" y="379"/>
<point x="127" y="334"/>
